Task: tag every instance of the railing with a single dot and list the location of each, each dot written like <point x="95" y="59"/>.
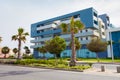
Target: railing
<point x="44" y="27"/>
<point x="42" y="39"/>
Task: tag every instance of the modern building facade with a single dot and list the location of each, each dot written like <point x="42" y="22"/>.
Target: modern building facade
<point x="95" y="26"/>
<point x="113" y="35"/>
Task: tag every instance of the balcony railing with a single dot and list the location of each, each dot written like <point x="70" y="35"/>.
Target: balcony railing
<point x="42" y="39"/>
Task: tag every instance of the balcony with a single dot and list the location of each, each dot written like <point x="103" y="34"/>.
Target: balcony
<point x="35" y="46"/>
<point x="81" y="42"/>
<point x="87" y="33"/>
<point x="67" y="43"/>
<point x="44" y="27"/>
<point x="42" y="39"/>
<point x="66" y="21"/>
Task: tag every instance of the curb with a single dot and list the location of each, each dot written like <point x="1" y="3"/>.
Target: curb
<point x="74" y="70"/>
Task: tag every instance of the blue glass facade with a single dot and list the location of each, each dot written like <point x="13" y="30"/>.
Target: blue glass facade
<point x="116" y="45"/>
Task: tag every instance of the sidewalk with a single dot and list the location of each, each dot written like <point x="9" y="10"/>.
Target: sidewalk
<point x="110" y="69"/>
<point x="97" y="71"/>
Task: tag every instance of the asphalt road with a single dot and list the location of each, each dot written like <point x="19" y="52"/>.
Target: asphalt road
<point x="26" y="73"/>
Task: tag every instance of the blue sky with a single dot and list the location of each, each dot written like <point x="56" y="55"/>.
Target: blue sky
<point x="22" y="13"/>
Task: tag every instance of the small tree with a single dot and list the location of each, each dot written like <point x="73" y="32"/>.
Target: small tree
<point x="20" y="36"/>
<point x="15" y="50"/>
<point x="27" y="50"/>
<point x="55" y="46"/>
<point x="5" y="50"/>
<point x="42" y="50"/>
<point x="96" y="45"/>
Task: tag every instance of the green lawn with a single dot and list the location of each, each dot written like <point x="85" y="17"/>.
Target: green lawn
<point x="95" y="60"/>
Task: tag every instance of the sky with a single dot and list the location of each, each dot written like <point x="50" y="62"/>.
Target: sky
<point x="22" y="13"/>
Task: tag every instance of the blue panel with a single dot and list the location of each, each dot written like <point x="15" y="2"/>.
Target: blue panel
<point x="35" y="54"/>
<point x="116" y="45"/>
<point x="102" y="54"/>
<point x="86" y="16"/>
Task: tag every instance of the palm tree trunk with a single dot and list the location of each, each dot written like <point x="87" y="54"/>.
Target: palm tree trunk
<point x="73" y="57"/>
<point x="97" y="57"/>
<point x="19" y="48"/>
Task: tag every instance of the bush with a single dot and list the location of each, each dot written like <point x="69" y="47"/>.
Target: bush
<point x="26" y="56"/>
<point x="11" y="57"/>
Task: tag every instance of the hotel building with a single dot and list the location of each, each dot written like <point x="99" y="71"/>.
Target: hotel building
<point x="95" y="26"/>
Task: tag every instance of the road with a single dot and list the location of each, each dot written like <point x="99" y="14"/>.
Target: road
<point x="27" y="73"/>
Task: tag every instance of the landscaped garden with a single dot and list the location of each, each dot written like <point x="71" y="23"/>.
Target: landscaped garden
<point x="55" y="46"/>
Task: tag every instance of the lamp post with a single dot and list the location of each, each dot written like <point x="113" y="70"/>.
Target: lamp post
<point x="111" y="48"/>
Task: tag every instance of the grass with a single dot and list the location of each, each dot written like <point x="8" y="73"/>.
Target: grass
<point x="51" y="63"/>
<point x="95" y="60"/>
<point x="62" y="63"/>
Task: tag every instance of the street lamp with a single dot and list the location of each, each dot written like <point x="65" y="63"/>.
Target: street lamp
<point x="112" y="55"/>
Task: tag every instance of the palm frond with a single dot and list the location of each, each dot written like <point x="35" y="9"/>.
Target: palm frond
<point x="14" y="37"/>
<point x="20" y="31"/>
<point x="26" y="34"/>
<point x="0" y="39"/>
<point x="79" y="24"/>
<point x="76" y="30"/>
<point x="23" y="38"/>
<point x="64" y="27"/>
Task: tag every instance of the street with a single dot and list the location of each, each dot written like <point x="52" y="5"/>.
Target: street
<point x="27" y="73"/>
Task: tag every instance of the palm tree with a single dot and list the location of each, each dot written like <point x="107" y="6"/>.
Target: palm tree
<point x="72" y="28"/>
<point x="21" y="36"/>
<point x="77" y="44"/>
<point x="5" y="50"/>
<point x="27" y="50"/>
<point x="15" y="50"/>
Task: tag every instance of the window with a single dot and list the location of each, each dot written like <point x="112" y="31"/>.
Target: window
<point x="95" y="22"/>
<point x="86" y="38"/>
<point x="42" y="25"/>
<point x="38" y="31"/>
<point x="41" y="30"/>
<point x="38" y="25"/>
<point x="103" y="33"/>
<point x="76" y="16"/>
<point x="81" y="31"/>
<point x="102" y="26"/>
<point x="86" y="30"/>
<point x="107" y="18"/>
<point x="95" y="14"/>
<point x="42" y="42"/>
<point x="42" y="36"/>
<point x="81" y="39"/>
